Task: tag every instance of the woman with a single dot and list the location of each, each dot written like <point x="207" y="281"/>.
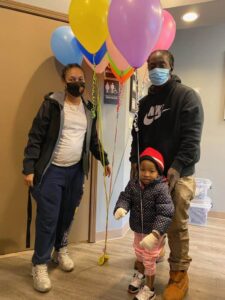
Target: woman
<point x="56" y="160"/>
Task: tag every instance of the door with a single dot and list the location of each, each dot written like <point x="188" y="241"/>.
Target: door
<point x="28" y="72"/>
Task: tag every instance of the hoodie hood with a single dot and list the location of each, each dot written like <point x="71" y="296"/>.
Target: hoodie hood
<point x="176" y="78"/>
<point x="56" y="96"/>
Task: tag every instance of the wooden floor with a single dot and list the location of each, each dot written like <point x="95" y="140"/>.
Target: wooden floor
<point x="90" y="282"/>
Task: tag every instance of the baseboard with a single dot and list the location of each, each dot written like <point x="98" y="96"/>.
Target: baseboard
<point x="217" y="214"/>
<point x="30" y="252"/>
<point x="113" y="234"/>
<point x="100" y="236"/>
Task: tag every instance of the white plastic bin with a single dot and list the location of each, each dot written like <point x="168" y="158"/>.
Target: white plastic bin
<point x="202" y="187"/>
<point x="198" y="212"/>
<point x="206" y="200"/>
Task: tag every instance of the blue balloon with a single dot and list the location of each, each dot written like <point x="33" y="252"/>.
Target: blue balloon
<point x="65" y="46"/>
<point x="94" y="58"/>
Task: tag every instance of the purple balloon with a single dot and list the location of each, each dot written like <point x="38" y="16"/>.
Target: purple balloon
<point x="134" y="27"/>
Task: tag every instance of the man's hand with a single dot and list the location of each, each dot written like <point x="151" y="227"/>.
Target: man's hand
<point x="108" y="170"/>
<point x="172" y="176"/>
<point x="29" y="180"/>
<point x="120" y="212"/>
<point x="134" y="171"/>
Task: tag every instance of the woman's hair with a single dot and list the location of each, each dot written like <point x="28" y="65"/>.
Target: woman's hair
<point x="68" y="67"/>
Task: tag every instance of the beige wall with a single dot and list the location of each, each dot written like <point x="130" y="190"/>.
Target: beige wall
<point x="28" y="71"/>
<point x="56" y="5"/>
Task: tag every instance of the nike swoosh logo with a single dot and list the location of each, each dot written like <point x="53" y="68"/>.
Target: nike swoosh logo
<point x="148" y="120"/>
<point x="156" y="115"/>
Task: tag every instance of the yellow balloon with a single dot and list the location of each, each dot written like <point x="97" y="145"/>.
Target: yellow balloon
<point x="88" y="20"/>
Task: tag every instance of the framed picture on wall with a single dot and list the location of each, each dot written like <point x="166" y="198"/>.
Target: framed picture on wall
<point x="111" y="87"/>
<point x="108" y="73"/>
<point x="133" y="95"/>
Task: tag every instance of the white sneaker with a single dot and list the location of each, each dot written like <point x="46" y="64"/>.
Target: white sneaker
<point x="136" y="283"/>
<point x="145" y="294"/>
<point x="41" y="280"/>
<point x="62" y="258"/>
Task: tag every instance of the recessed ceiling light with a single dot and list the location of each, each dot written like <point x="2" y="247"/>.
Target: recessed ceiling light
<point x="190" y="17"/>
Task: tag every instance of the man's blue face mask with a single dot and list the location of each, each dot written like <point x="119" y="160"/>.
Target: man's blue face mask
<point x="159" y="76"/>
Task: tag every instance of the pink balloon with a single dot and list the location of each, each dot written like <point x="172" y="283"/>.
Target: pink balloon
<point x="134" y="27"/>
<point x="116" y="56"/>
<point x="167" y="33"/>
<point x="100" y="68"/>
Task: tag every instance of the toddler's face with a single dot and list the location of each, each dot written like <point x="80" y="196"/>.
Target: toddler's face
<point x="148" y="172"/>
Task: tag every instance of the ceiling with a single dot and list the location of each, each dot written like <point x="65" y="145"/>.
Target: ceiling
<point x="175" y="3"/>
<point x="210" y="12"/>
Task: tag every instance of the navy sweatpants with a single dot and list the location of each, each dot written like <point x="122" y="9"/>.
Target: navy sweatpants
<point x="57" y="197"/>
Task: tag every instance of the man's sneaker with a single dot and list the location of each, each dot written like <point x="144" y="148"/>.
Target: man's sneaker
<point x="145" y="294"/>
<point x="41" y="280"/>
<point x="62" y="258"/>
<point x="136" y="283"/>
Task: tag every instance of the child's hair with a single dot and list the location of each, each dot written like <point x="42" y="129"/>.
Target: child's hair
<point x="153" y="161"/>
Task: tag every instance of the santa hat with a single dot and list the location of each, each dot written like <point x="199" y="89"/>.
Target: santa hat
<point x="153" y="155"/>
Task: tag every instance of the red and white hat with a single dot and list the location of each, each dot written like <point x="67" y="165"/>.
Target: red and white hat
<point x="153" y="155"/>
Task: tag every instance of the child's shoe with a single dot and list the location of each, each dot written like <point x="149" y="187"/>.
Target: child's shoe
<point x="136" y="283"/>
<point x="145" y="294"/>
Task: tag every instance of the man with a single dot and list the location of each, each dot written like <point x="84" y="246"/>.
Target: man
<point x="170" y="119"/>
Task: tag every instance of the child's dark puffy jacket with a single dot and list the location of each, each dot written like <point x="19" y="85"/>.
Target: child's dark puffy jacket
<point x="158" y="208"/>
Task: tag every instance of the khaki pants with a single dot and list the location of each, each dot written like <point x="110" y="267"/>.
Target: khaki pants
<point x="178" y="236"/>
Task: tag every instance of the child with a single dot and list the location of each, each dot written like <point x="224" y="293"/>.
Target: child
<point x="151" y="211"/>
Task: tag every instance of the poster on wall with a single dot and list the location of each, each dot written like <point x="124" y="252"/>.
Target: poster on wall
<point x="111" y="91"/>
<point x="111" y="87"/>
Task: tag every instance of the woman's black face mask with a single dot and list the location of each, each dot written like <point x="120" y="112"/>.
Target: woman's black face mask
<point x="76" y="89"/>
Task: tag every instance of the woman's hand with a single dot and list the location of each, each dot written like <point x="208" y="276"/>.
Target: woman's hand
<point x="29" y="180"/>
<point x="108" y="170"/>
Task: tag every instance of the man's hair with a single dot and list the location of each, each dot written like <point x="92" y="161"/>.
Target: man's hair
<point x="168" y="54"/>
<point x="68" y="67"/>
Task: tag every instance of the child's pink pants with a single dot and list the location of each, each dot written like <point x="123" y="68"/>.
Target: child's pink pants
<point x="147" y="257"/>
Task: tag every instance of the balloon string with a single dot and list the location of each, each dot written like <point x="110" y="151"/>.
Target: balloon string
<point x="138" y="144"/>
<point x="115" y="138"/>
<point x="108" y="195"/>
<point x="102" y="153"/>
<point x="94" y="91"/>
